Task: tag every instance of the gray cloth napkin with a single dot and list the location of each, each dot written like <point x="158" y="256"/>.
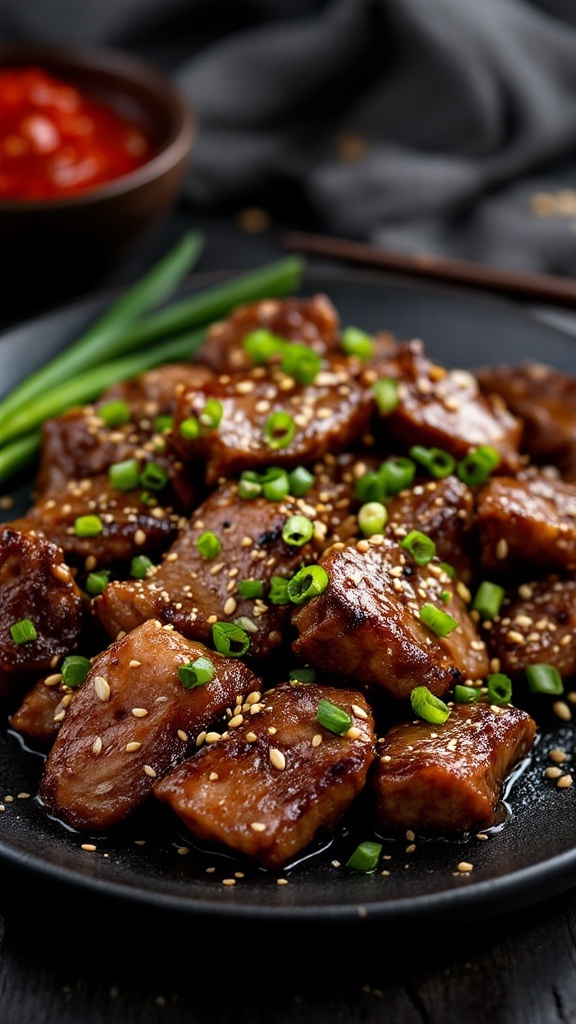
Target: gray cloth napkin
<point x="447" y="126"/>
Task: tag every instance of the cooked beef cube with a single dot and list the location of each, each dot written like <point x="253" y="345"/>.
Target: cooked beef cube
<point x="78" y="445"/>
<point x="537" y="624"/>
<point x="153" y="393"/>
<point x="366" y="625"/>
<point x="444" y="511"/>
<point x="130" y="526"/>
<point x="445" y="409"/>
<point x="279" y="779"/>
<point x="132" y="720"/>
<point x="545" y="400"/>
<point x="327" y="416"/>
<point x="192" y="591"/>
<point x="530" y="520"/>
<point x="312" y="321"/>
<point x="43" y="707"/>
<point x="449" y="777"/>
<point x="35" y="584"/>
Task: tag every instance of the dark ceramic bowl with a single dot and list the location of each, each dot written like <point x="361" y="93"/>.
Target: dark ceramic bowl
<point x="94" y="229"/>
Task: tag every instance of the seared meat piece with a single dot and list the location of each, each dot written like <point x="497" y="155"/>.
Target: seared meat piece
<point x="279" y="779"/>
<point x="327" y="416"/>
<point x="446" y="409"/>
<point x="545" y="400"/>
<point x="444" y="511"/>
<point x="154" y="393"/>
<point x="78" y="445"/>
<point x="537" y="624"/>
<point x="129" y="526"/>
<point x="527" y="520"/>
<point x="366" y="625"/>
<point x="449" y="777"/>
<point x="132" y="720"/>
<point x="313" y="322"/>
<point x="38" y="717"/>
<point x="36" y="584"/>
<point x="192" y="591"/>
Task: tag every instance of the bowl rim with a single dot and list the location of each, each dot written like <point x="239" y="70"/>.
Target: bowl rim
<point x="128" y="66"/>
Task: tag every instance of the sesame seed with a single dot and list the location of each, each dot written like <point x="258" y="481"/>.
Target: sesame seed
<point x="502" y="549"/>
<point x="134" y="663"/>
<point x="182" y="735"/>
<point x="277" y="758"/>
<point x="258" y="826"/>
<point x="316" y="740"/>
<point x="139" y="538"/>
<point x="89" y="847"/>
<point x="132" y="746"/>
<point x="53" y="680"/>
<point x="464" y="867"/>
<point x="557" y="754"/>
<point x="149" y="771"/>
<point x="553" y="773"/>
<point x="97" y="745"/>
<point x="229" y="606"/>
<point x="565" y="782"/>
<point x="102" y="688"/>
<point x="139" y="712"/>
<point x="562" y="710"/>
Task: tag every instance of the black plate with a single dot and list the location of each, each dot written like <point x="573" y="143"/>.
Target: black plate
<point x="531" y="857"/>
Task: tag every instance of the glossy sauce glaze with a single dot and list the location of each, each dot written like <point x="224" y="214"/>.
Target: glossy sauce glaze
<point x="57" y="141"/>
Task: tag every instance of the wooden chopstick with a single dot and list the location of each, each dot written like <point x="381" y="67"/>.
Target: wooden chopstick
<point x="515" y="283"/>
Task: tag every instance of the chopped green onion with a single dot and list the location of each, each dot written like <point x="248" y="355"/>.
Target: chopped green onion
<point x="278" y="592"/>
<point x="310" y="581"/>
<point x="488" y="599"/>
<point x="544" y="678"/>
<point x="466" y="694"/>
<point x="440" y="622"/>
<point x="74" y="670"/>
<point x="332" y="717"/>
<point x="96" y="582"/>
<point x="448" y="569"/>
<point x="154" y="476"/>
<point x="249" y="485"/>
<point x="365" y="857"/>
<point x="279" y="429"/>
<point x="208" y="544"/>
<point x="88" y="526"/>
<point x="190" y="428"/>
<point x="301" y="362"/>
<point x="230" y="639"/>
<point x="23" y="631"/>
<point x="196" y="673"/>
<point x="115" y="413"/>
<point x="355" y="342"/>
<point x="139" y="567"/>
<point x="302" y="675"/>
<point x="275" y="484"/>
<point x="211" y="414"/>
<point x="297" y="530"/>
<point x="124" y="476"/>
<point x="397" y="473"/>
<point x="248" y="589"/>
<point x="445" y="596"/>
<point x="372" y="518"/>
<point x="427" y="706"/>
<point x="499" y="688"/>
<point x="477" y="465"/>
<point x="421" y="547"/>
<point x="260" y="345"/>
<point x="300" y="481"/>
<point x="162" y="423"/>
<point x="438" y="462"/>
<point x="371" y="486"/>
<point x="386" y="394"/>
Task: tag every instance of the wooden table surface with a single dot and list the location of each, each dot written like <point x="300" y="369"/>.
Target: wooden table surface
<point x="68" y="958"/>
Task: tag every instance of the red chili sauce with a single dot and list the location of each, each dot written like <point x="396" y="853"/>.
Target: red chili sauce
<point x="55" y="141"/>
